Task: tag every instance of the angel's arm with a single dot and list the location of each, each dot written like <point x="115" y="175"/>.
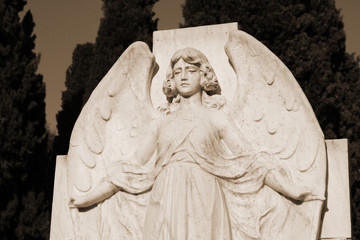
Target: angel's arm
<point x="100" y="193"/>
<point x="231" y="135"/>
<point x="106" y="189"/>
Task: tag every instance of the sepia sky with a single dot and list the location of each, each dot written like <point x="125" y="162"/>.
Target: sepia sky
<point x="60" y="25"/>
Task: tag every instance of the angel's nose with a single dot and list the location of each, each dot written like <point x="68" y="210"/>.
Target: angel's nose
<point x="184" y="75"/>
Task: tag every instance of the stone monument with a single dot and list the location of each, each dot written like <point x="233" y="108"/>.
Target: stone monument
<point x="208" y="137"/>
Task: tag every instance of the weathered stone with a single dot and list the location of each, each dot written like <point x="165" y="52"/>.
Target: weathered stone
<point x="131" y="172"/>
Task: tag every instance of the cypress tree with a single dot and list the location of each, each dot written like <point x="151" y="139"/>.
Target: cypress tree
<point x="308" y="36"/>
<point x="24" y="212"/>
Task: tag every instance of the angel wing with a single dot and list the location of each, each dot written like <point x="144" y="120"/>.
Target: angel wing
<point x="271" y="110"/>
<point x="107" y="130"/>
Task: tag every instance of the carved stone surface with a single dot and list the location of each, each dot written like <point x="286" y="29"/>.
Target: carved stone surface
<point x="61" y="224"/>
<point x="337" y="220"/>
<point x="133" y="173"/>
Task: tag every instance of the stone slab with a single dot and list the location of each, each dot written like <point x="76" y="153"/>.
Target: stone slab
<point x="337" y="219"/>
<point x="61" y="224"/>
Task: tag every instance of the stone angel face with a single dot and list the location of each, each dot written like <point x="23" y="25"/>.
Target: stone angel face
<point x="195" y="62"/>
<point x="187" y="78"/>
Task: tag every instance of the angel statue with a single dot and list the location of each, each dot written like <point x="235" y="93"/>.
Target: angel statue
<point x="202" y="167"/>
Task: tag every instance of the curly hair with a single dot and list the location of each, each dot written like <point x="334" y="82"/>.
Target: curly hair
<point x="208" y="81"/>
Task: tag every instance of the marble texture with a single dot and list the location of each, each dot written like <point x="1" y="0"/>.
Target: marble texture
<point x="336" y="222"/>
<point x="61" y="223"/>
<point x="273" y="113"/>
<point x="260" y="154"/>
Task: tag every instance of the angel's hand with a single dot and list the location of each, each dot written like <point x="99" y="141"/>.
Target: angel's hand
<point x="309" y="195"/>
<point x="100" y="193"/>
<point x="77" y="201"/>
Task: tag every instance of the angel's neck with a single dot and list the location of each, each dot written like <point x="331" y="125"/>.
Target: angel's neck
<point x="190" y="103"/>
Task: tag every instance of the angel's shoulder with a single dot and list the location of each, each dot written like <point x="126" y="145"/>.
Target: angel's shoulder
<point x="218" y="117"/>
<point x="155" y="124"/>
<point x="216" y="114"/>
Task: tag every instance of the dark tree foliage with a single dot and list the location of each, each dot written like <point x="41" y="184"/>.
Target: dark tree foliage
<point x="308" y="36"/>
<point x="123" y="23"/>
<point x="24" y="206"/>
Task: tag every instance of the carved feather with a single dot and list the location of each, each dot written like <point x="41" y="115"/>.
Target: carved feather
<point x="122" y="98"/>
<point x="271" y="110"/>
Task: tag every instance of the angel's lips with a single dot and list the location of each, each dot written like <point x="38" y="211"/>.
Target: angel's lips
<point x="184" y="84"/>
